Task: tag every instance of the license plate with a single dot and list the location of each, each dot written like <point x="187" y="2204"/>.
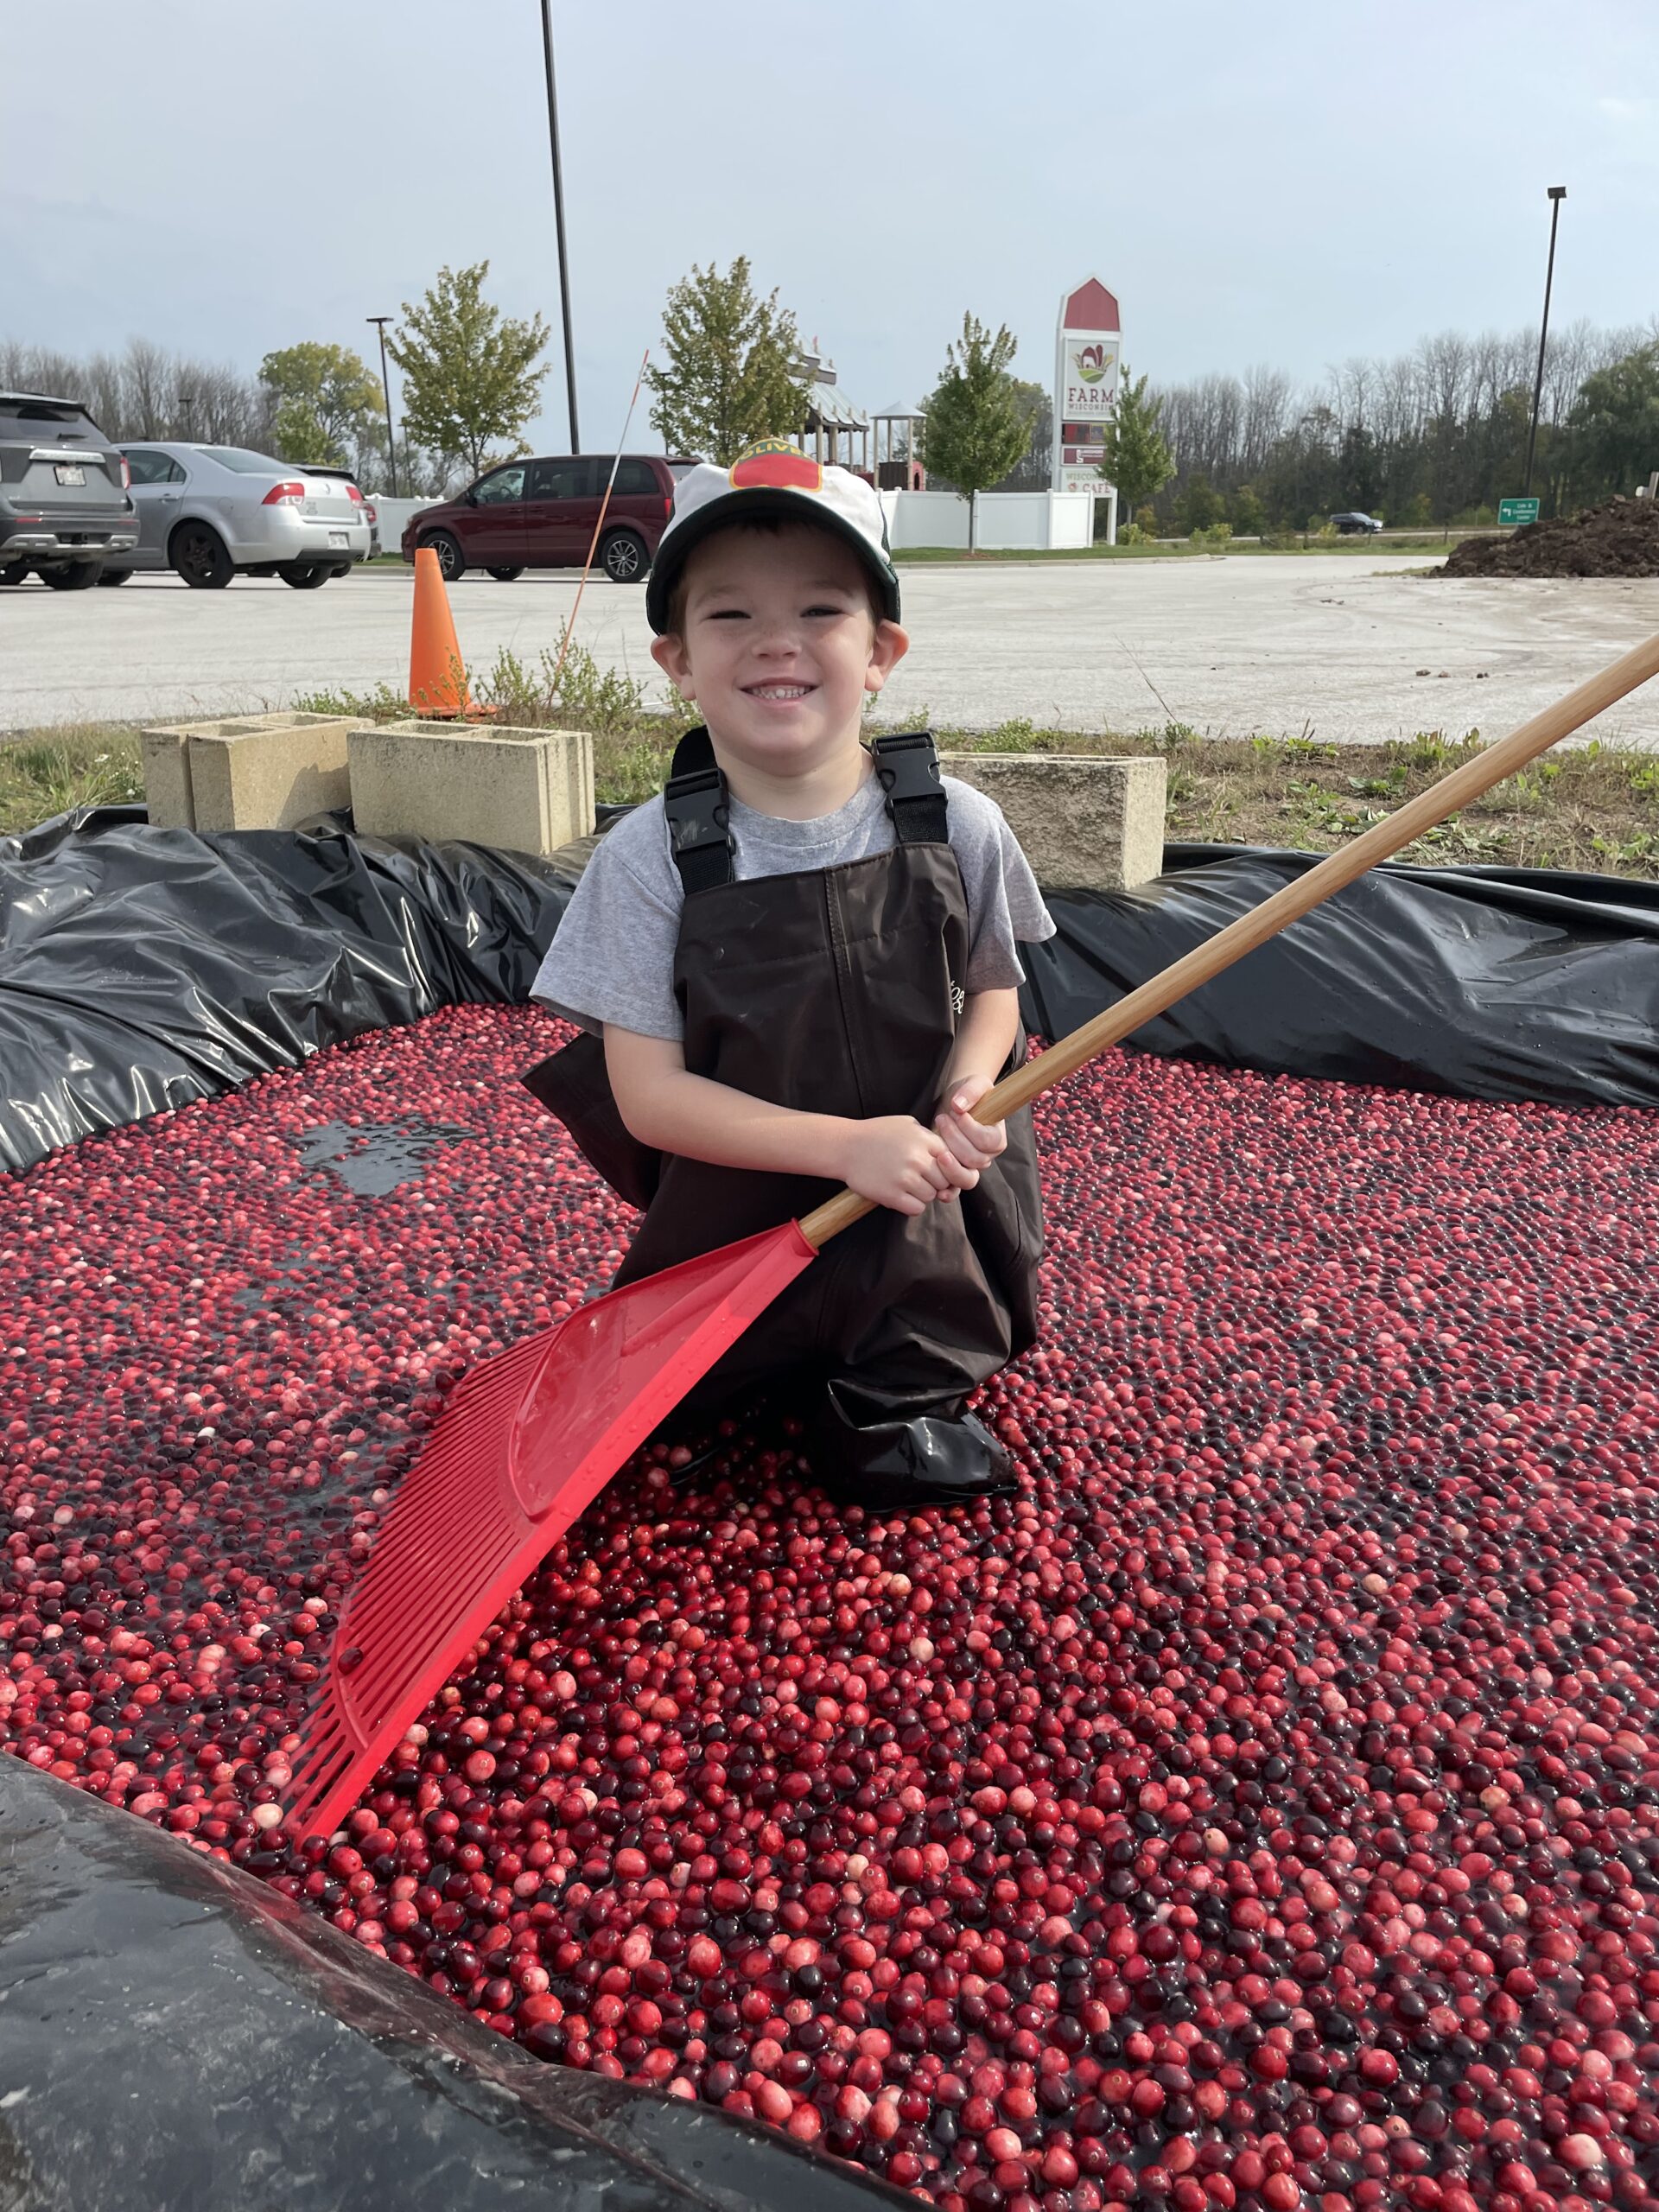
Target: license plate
<point x="66" y="472"/>
<point x="338" y="538"/>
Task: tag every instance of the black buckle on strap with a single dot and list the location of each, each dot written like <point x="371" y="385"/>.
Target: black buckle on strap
<point x="908" y="765"/>
<point x="699" y="821"/>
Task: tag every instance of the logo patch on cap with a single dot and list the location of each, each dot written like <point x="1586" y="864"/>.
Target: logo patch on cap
<point x="776" y="465"/>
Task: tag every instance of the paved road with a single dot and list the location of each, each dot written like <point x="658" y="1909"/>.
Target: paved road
<point x="1322" y="645"/>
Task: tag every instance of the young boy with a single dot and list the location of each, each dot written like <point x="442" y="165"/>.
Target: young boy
<point x="801" y="962"/>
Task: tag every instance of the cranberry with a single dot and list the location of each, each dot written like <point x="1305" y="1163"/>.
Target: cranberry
<point x="1260" y="1809"/>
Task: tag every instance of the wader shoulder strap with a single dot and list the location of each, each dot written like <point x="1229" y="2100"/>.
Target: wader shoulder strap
<point x="700" y="840"/>
<point x="908" y="764"/>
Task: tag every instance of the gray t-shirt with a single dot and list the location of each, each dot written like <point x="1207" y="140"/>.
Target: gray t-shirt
<point x="612" y="958"/>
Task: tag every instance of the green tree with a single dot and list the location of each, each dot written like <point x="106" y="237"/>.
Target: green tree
<point x="1199" y="506"/>
<point x="1359" y="479"/>
<point x="1614" y="426"/>
<point x="977" y="429"/>
<point x="472" y="376"/>
<point x="1137" y="458"/>
<point x="1249" y="517"/>
<point x="1036" y="402"/>
<point x="730" y="373"/>
<point x="324" y="402"/>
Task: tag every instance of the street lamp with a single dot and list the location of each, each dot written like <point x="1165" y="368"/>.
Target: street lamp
<point x="558" y="219"/>
<point x="381" y="320"/>
<point x="1557" y="194"/>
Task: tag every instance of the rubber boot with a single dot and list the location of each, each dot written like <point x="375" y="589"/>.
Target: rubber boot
<point x="929" y="1460"/>
<point x="725" y="1430"/>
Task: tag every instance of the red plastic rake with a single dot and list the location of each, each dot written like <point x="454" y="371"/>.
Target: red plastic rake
<point x="525" y="1440"/>
<point x="529" y="1437"/>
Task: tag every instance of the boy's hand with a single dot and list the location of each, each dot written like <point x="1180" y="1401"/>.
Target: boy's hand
<point x="894" y="1161"/>
<point x="972" y="1144"/>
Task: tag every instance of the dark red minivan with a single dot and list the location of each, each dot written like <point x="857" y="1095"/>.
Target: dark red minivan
<point x="541" y="514"/>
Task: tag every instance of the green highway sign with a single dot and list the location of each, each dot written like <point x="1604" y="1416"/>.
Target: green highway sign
<point x="1517" y="510"/>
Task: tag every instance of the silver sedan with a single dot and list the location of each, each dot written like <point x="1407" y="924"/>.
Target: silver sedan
<point x="212" y="512"/>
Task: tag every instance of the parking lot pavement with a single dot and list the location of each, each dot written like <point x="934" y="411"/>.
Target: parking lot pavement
<point x="1322" y="646"/>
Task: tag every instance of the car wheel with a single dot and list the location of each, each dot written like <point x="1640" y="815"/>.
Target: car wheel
<point x="12" y="576"/>
<point x="340" y="568"/>
<point x="115" y="576"/>
<point x="452" y="561"/>
<point x="506" y="575"/>
<point x="200" y="554"/>
<point x="76" y="576"/>
<point x="302" y="574"/>
<point x="625" y="557"/>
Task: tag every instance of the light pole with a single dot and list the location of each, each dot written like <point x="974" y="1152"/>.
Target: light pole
<point x="1557" y="194"/>
<point x="558" y="219"/>
<point x="381" y="320"/>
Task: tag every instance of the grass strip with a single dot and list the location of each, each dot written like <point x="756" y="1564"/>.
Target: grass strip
<point x="1591" y="806"/>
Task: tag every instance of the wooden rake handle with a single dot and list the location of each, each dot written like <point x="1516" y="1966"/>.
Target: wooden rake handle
<point x="1489" y="767"/>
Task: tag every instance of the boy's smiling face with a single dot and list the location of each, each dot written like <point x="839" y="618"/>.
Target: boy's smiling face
<point x="779" y="646"/>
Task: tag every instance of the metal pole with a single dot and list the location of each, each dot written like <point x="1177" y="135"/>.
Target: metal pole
<point x="558" y="218"/>
<point x="385" y="386"/>
<point x="1557" y="194"/>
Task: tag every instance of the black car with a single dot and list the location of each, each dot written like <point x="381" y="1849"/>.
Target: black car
<point x="63" y="494"/>
<point x="1352" y="524"/>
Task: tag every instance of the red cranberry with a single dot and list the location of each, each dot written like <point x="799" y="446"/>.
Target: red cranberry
<point x="1261" y="1809"/>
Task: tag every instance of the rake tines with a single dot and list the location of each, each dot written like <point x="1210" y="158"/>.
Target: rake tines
<point x="526" y="1441"/>
<point x="385" y="1666"/>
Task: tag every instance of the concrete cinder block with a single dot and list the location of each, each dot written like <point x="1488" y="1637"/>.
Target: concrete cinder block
<point x="167" y="778"/>
<point x="1084" y="821"/>
<point x="256" y="772"/>
<point x="521" y="791"/>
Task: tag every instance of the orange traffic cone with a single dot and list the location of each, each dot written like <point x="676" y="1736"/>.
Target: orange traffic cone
<point x="437" y="675"/>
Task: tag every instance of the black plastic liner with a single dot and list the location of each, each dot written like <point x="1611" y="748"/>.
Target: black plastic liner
<point x="1482" y="983"/>
<point x="141" y="968"/>
<point x="174" y="2033"/>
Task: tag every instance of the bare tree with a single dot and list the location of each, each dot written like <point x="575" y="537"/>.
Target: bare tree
<point x="1266" y="409"/>
<point x="1399" y="400"/>
<point x="1353" y="386"/>
<point x="1445" y="369"/>
<point x="146" y="392"/>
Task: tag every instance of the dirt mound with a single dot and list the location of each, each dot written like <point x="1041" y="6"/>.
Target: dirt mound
<point x="1620" y="538"/>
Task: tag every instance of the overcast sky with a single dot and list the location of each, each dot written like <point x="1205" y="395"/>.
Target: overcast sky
<point x="1293" y="181"/>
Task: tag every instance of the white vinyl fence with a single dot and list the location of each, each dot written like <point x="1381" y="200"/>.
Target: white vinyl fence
<point x="1008" y="521"/>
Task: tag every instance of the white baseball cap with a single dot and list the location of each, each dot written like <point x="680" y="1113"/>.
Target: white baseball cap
<point x="771" y="478"/>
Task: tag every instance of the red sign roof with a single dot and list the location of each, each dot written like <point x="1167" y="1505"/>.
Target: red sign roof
<point x="1091" y="306"/>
